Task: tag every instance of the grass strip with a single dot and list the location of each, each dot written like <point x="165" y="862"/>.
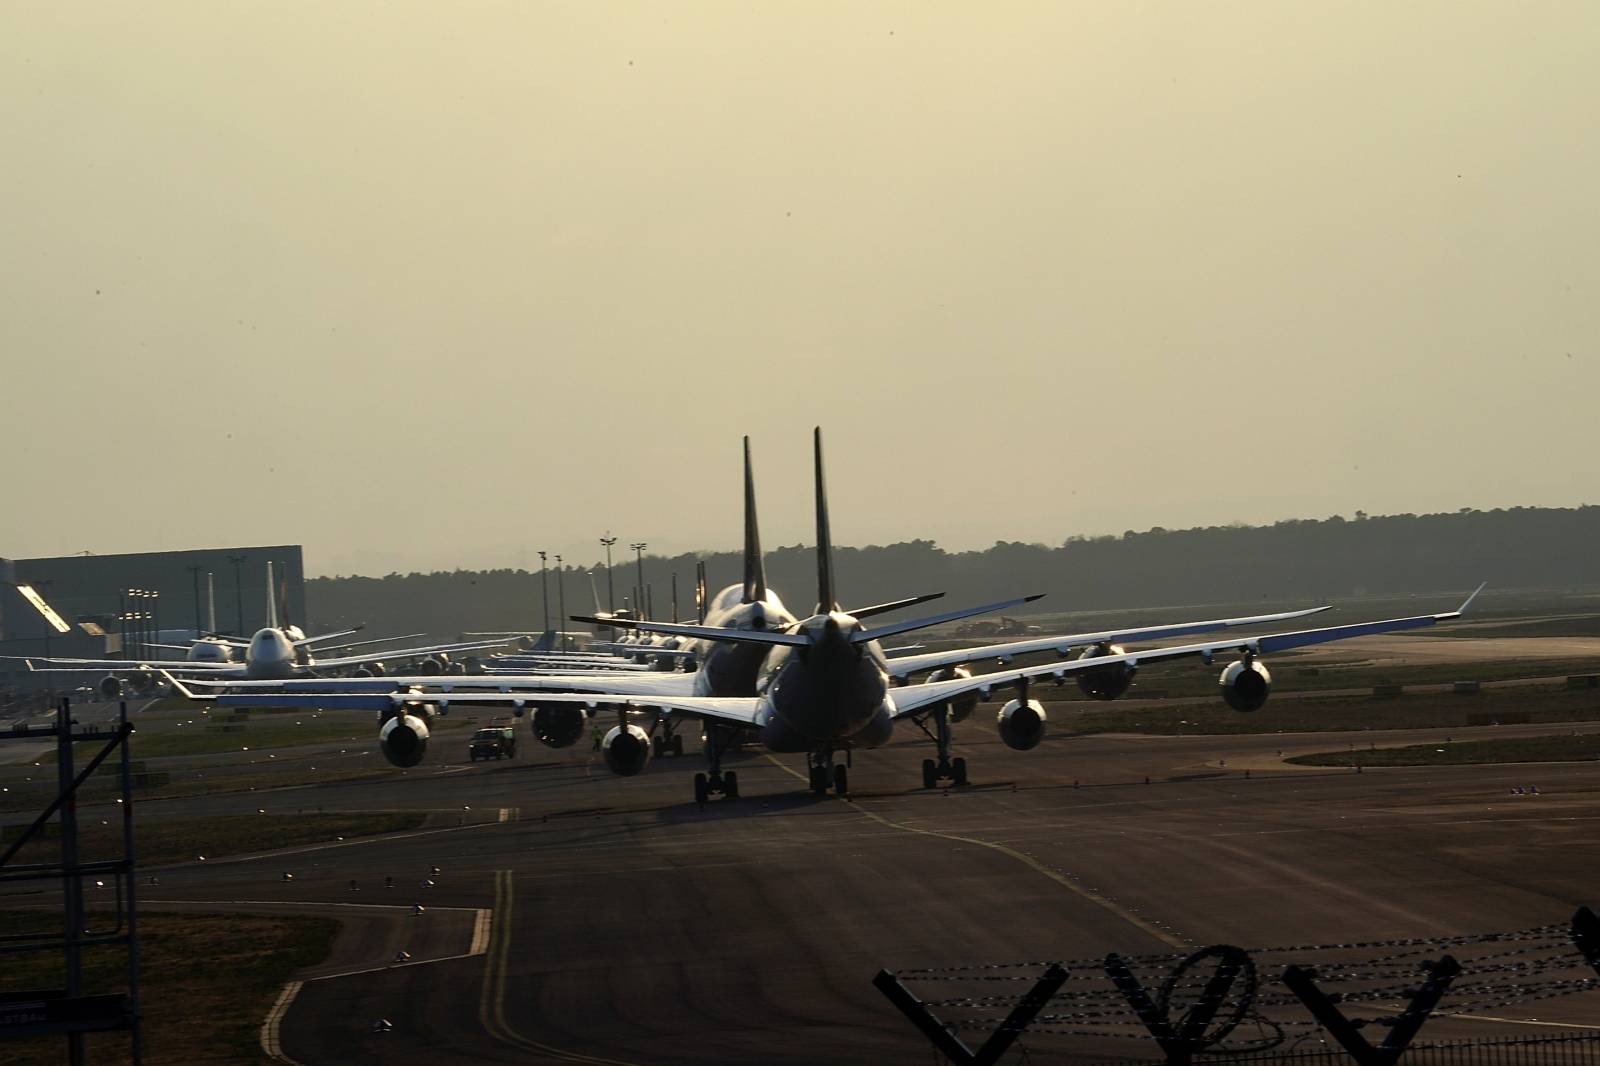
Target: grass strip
<point x="1585" y="748"/>
<point x="207" y="981"/>
<point x="160" y="843"/>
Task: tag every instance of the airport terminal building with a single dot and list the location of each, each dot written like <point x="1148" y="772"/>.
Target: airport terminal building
<point x="92" y="592"/>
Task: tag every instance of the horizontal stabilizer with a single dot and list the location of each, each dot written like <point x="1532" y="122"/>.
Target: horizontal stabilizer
<point x="893" y="628"/>
<point x="727" y="636"/>
<point x="892" y="605"/>
<point x="303" y="641"/>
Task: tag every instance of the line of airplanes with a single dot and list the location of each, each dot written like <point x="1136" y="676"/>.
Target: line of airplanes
<point x="274" y="652"/>
<point x="821" y="685"/>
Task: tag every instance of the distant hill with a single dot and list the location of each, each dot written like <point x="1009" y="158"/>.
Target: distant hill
<point x="1296" y="559"/>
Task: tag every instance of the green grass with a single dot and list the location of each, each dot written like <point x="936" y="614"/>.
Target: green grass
<point x="204" y="738"/>
<point x="1333" y="713"/>
<point x="158" y="843"/>
<point x="1585" y="748"/>
<point x="207" y="983"/>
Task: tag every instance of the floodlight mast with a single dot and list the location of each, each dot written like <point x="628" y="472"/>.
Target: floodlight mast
<point x="611" y="592"/>
<point x="638" y="551"/>
<point x="544" y="580"/>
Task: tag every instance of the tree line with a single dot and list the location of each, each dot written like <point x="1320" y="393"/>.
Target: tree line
<point x="1291" y="560"/>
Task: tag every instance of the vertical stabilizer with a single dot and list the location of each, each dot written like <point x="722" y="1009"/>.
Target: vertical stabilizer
<point x="700" y="591"/>
<point x="272" y="597"/>
<point x="826" y="601"/>
<point x="211" y="602"/>
<point x="594" y="590"/>
<point x="755" y="571"/>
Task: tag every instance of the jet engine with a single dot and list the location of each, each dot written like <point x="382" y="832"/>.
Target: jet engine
<point x="109" y="687"/>
<point x="560" y="726"/>
<point x="1022" y="724"/>
<point x="626" y="750"/>
<point x="962" y="706"/>
<point x="434" y="665"/>
<point x="1246" y="684"/>
<point x="1104" y="682"/>
<point x="372" y="669"/>
<point x="143" y="682"/>
<point x="403" y="736"/>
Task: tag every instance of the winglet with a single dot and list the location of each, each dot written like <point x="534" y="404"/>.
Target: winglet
<point x="184" y="690"/>
<point x="1468" y="602"/>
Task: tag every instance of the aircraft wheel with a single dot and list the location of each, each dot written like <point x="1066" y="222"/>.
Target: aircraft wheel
<point x="656" y="746"/>
<point x="958" y="769"/>
<point x="677" y="744"/>
<point x="930" y="773"/>
<point x="701" y="788"/>
<point x="819" y="781"/>
<point x="730" y="785"/>
<point x="841" y="781"/>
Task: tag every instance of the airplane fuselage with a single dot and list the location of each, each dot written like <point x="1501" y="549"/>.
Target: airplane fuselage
<point x="727" y="669"/>
<point x="270" y="657"/>
<point x="830" y="694"/>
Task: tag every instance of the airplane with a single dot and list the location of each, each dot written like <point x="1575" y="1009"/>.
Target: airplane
<point x="824" y="686"/>
<point x="274" y="652"/>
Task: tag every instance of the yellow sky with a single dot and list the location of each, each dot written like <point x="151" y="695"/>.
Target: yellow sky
<point x="430" y="285"/>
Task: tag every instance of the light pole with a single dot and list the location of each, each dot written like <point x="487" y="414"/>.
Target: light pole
<point x="238" y="591"/>
<point x="611" y="591"/>
<point x="544" y="579"/>
<point x="561" y="602"/>
<point x="638" y="551"/>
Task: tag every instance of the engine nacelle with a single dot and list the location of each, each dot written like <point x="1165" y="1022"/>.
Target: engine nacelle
<point x="961" y="706"/>
<point x="143" y="682"/>
<point x="1022" y="724"/>
<point x="1246" y="684"/>
<point x="404" y="738"/>
<point x="1104" y="682"/>
<point x="626" y="750"/>
<point x="560" y="726"/>
<point x="432" y="666"/>
<point x="109" y="687"/>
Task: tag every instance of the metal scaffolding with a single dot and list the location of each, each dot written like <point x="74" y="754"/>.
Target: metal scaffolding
<point x="71" y="1011"/>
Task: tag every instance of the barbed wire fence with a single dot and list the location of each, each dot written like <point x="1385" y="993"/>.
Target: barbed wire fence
<point x="1360" y="1002"/>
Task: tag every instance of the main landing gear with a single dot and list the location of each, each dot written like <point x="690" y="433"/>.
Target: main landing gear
<point x="668" y="741"/>
<point x="944" y="768"/>
<point x="714" y="783"/>
<point x="824" y="773"/>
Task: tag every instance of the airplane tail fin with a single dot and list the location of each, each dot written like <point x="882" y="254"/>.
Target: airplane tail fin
<point x="272" y="597"/>
<point x="211" y="603"/>
<point x="755" y="572"/>
<point x="594" y="590"/>
<point x="546" y="641"/>
<point x="700" y="590"/>
<point x="826" y="601"/>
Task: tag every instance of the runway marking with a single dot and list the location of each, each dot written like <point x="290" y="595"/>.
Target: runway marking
<point x="491" y="1004"/>
<point x="269" y="1028"/>
<point x="1027" y="860"/>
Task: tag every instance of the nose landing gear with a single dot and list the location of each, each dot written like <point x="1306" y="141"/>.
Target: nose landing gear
<point x="824" y="773"/>
<point x="944" y="768"/>
<point x="715" y="782"/>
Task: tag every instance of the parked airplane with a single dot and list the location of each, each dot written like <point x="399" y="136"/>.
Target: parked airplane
<point x="825" y="686"/>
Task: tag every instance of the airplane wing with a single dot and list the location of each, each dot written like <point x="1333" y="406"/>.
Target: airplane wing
<point x="404" y="653"/>
<point x="307" y="641"/>
<point x="913" y="698"/>
<point x="905" y="665"/>
<point x="737" y="710"/>
<point x="628" y="685"/>
<point x="39" y="664"/>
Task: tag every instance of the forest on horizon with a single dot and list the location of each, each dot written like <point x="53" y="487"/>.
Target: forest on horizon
<point x="1288" y="561"/>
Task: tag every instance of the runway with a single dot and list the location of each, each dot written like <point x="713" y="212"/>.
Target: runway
<point x="629" y="926"/>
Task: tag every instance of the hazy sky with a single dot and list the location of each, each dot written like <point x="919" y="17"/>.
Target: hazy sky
<point x="427" y="285"/>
